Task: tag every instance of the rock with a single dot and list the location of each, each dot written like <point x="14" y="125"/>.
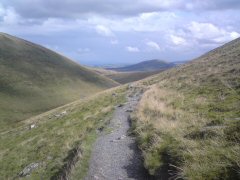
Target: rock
<point x="63" y="113"/>
<point x="120" y="105"/>
<point x="130" y="86"/>
<point x="129" y="110"/>
<point x="122" y="137"/>
<point x="32" y="126"/>
<point x="28" y="169"/>
<point x="57" y="115"/>
<point x="95" y="177"/>
<point x="100" y="129"/>
<point x="114" y="94"/>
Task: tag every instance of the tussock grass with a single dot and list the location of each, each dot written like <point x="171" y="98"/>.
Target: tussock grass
<point x="187" y="123"/>
<point x="57" y="133"/>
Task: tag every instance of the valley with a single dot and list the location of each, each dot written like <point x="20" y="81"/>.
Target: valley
<point x="60" y="120"/>
<point x="136" y="71"/>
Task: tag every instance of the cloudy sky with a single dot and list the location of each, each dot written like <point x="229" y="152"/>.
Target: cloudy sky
<point x="98" y="32"/>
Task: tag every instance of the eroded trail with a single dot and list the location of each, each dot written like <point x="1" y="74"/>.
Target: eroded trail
<point x="115" y="155"/>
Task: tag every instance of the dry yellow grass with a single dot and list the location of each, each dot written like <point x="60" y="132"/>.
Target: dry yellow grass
<point x="187" y="123"/>
<point x="195" y="151"/>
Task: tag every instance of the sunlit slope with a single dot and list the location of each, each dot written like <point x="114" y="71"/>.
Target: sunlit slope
<point x="34" y="79"/>
<point x="188" y="121"/>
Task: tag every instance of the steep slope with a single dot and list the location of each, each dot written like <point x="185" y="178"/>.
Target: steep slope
<point x="151" y="65"/>
<point x="34" y="79"/>
<point x="188" y="122"/>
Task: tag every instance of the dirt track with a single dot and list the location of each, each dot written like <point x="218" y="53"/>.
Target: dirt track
<point x="115" y="155"/>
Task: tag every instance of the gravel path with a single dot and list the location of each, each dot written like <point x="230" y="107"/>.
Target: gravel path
<point x="115" y="155"/>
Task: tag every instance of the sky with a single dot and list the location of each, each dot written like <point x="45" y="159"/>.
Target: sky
<point x="99" y="32"/>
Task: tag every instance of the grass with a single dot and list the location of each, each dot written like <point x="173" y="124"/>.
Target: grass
<point x="34" y="79"/>
<point x="57" y="133"/>
<point x="187" y="123"/>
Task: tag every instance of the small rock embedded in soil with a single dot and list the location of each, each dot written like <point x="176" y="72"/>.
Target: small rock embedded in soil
<point x="100" y="129"/>
<point x="122" y="137"/>
<point x="28" y="169"/>
<point x="129" y="110"/>
<point x="120" y="105"/>
<point x="63" y="113"/>
<point x="33" y="126"/>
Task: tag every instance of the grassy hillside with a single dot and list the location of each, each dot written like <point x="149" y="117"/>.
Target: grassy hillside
<point x="188" y="121"/>
<point x="151" y="65"/>
<point x="60" y="140"/>
<point x="34" y="79"/>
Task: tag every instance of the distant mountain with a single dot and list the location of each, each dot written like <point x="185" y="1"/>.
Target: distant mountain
<point x="177" y="63"/>
<point x="34" y="79"/>
<point x="151" y="65"/>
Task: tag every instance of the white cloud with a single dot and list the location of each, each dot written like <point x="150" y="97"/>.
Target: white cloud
<point x="104" y="31"/>
<point x="164" y="4"/>
<point x="79" y="8"/>
<point x="177" y="40"/>
<point x="234" y="35"/>
<point x="204" y="30"/>
<point x="144" y="22"/>
<point x="9" y="16"/>
<point x="132" y="49"/>
<point x="153" y="45"/>
<point x="2" y="11"/>
<point x="210" y="32"/>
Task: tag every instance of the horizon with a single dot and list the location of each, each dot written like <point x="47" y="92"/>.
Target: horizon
<point x="120" y="33"/>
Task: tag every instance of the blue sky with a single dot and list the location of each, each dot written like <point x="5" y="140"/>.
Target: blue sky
<point x="96" y="32"/>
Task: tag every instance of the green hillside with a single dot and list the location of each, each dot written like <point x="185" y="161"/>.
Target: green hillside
<point x="188" y="122"/>
<point x="59" y="144"/>
<point x="34" y="79"/>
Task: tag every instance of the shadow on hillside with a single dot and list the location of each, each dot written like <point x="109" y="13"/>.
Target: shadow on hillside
<point x="135" y="168"/>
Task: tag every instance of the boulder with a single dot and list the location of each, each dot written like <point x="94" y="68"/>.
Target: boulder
<point x="28" y="169"/>
<point x="33" y="126"/>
